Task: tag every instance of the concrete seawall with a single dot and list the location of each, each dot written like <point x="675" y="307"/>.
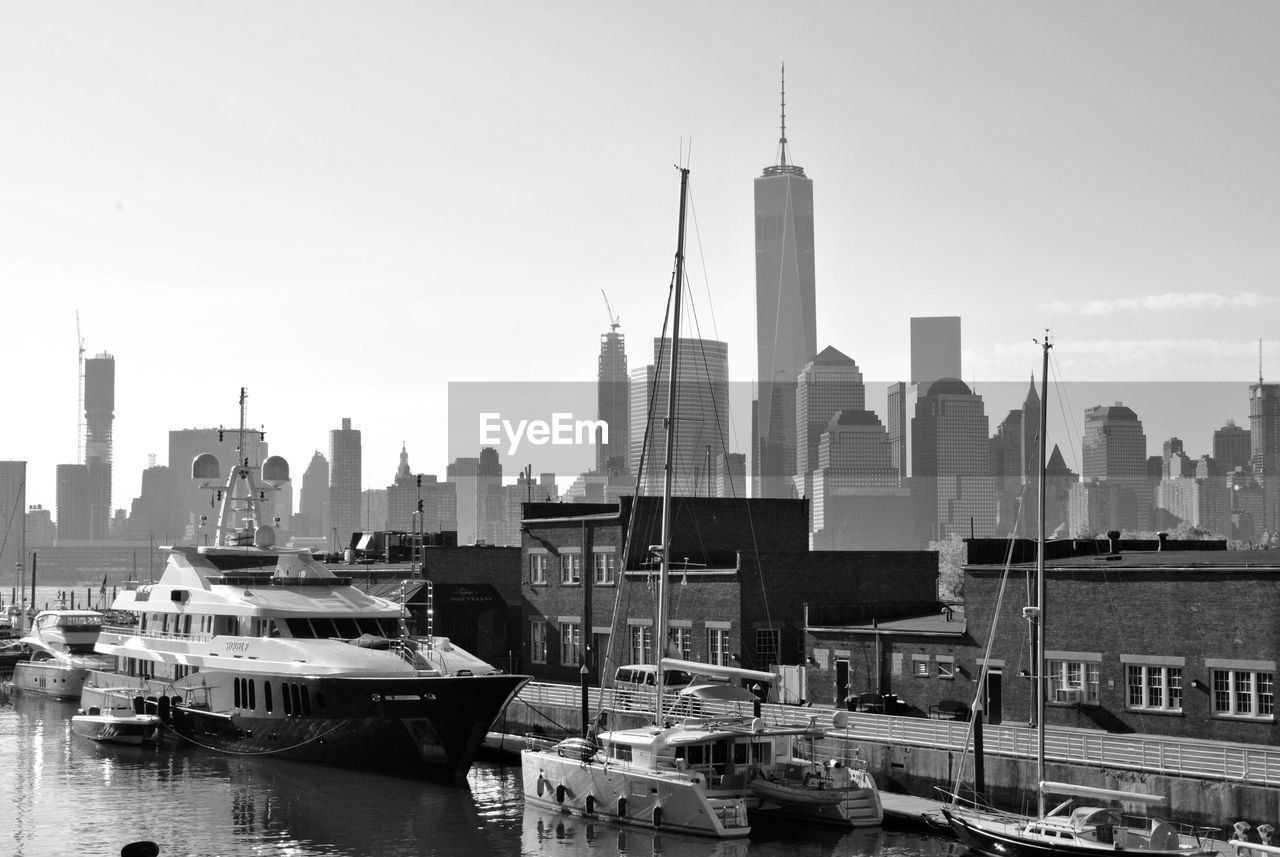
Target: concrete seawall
<point x="1010" y="782"/>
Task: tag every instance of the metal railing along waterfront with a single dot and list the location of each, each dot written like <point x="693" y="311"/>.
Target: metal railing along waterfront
<point x="1247" y="764"/>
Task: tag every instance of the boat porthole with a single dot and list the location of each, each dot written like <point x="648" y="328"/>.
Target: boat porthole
<point x="622" y="807"/>
<point x="657" y="816"/>
<point x="560" y="794"/>
<point x="591" y="804"/>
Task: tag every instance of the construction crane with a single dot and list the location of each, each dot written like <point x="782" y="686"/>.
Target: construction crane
<point x="613" y="319"/>
<point x="79" y="395"/>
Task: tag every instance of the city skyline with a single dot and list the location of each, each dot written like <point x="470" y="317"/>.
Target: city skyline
<point x="1071" y="167"/>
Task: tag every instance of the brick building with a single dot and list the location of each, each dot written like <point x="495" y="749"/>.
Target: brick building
<point x="741" y="578"/>
<point x="1150" y="636"/>
<point x="1173" y="638"/>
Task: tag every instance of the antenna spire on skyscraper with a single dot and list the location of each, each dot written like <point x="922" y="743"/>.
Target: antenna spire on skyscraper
<point x="782" y="140"/>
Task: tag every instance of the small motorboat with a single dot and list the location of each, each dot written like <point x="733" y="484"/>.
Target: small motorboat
<point x="116" y="727"/>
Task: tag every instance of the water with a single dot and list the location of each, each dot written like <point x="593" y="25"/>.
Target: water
<point x="62" y="794"/>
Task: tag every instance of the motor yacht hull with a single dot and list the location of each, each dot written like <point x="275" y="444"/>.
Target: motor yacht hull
<point x="49" y="678"/>
<point x="560" y="779"/>
<point x="430" y="726"/>
<point x="131" y="729"/>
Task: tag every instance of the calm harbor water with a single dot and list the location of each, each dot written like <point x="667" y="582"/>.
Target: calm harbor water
<point x="62" y="794"/>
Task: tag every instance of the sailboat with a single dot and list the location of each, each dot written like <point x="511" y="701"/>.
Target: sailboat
<point x="1069" y="829"/>
<point x="657" y="775"/>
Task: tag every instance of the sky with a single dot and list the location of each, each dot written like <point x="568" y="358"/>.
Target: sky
<point x="347" y="206"/>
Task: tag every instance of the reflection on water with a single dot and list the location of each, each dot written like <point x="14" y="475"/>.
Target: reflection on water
<point x="67" y="794"/>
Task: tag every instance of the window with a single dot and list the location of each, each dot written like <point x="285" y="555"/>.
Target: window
<point x="604" y="568"/>
<point x="681" y="641"/>
<point x="641" y="644"/>
<point x="1153" y="688"/>
<point x="920" y="666"/>
<point x="571" y="569"/>
<point x="537" y="568"/>
<point x="718" y="647"/>
<point x="1067" y="676"/>
<point x="1244" y="693"/>
<point x="768" y="645"/>
<point x="538" y="641"/>
<point x="946" y="667"/>
<point x="570" y="643"/>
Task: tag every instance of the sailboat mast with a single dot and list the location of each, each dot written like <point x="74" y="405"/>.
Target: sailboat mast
<point x="660" y="644"/>
<point x="1042" y="680"/>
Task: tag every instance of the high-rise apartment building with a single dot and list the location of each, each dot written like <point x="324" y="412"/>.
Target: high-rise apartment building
<point x="951" y="462"/>
<point x="829" y="383"/>
<point x="463" y="473"/>
<point x="99" y="414"/>
<point x="935" y="349"/>
<point x="1232" y="447"/>
<point x="72" y="502"/>
<point x="1264" y="458"/>
<point x="13" y="508"/>
<point x="786" y="318"/>
<point x="313" y="499"/>
<point x="345" y="481"/>
<point x="1115" y="452"/>
<point x="701" y="415"/>
<point x="613" y="403"/>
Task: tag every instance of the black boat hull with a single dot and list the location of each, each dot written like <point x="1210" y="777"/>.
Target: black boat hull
<point x="428" y="726"/>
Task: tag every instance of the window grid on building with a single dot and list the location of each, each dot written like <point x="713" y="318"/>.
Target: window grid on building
<point x="718" y="647"/>
<point x="641" y="644"/>
<point x="768" y="643"/>
<point x="538" y="568"/>
<point x="1244" y="693"/>
<point x="538" y="641"/>
<point x="605" y="574"/>
<point x="570" y="644"/>
<point x="1074" y="675"/>
<point x="571" y="569"/>
<point x="920" y="666"/>
<point x="1153" y="688"/>
<point x="682" y="642"/>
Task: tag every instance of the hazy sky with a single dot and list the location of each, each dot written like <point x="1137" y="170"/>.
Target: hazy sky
<point x="344" y="206"/>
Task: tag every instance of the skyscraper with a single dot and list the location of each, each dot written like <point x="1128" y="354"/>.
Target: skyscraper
<point x="786" y="320"/>
<point x="72" y="502"/>
<point x="1115" y="452"/>
<point x="613" y="402"/>
<point x="702" y="415"/>
<point x="829" y="383"/>
<point x="1232" y="447"/>
<point x="13" y="512"/>
<point x="345" y="479"/>
<point x="935" y="354"/>
<point x="99" y="413"/>
<point x="1264" y="459"/>
<point x="951" y="462"/>
<point x="313" y="498"/>
<point x="935" y="349"/>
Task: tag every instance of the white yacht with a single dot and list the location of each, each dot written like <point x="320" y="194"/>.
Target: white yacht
<point x="61" y="653"/>
<point x="247" y="647"/>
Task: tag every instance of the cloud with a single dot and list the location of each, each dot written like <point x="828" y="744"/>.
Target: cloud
<point x="1167" y="302"/>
